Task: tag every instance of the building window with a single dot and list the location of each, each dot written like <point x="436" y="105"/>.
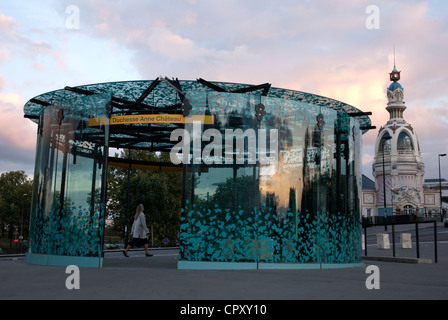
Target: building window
<point x="404" y="142"/>
<point x="408" y="209"/>
<point x="384" y="142"/>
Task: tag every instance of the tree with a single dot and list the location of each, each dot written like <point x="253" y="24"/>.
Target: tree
<point x="15" y="203"/>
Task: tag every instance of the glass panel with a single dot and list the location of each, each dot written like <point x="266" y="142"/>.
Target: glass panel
<point x="219" y="217"/>
<point x="67" y="217"/>
<point x="292" y="198"/>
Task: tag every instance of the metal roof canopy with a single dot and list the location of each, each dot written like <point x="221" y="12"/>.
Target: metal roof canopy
<point x="166" y="96"/>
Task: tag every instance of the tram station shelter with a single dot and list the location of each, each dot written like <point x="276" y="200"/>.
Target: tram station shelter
<point x="271" y="178"/>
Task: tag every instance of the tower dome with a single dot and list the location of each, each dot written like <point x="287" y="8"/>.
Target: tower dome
<point x="395" y="85"/>
<point x="398" y="167"/>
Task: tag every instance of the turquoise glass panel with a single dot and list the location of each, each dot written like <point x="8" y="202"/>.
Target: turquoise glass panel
<point x="67" y="217"/>
<point x="292" y="199"/>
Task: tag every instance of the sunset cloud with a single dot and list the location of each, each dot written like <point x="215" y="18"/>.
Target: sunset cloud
<point x="12" y="129"/>
<point x="17" y="138"/>
<point x="321" y="47"/>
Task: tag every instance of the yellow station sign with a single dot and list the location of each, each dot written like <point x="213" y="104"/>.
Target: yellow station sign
<point x="150" y="118"/>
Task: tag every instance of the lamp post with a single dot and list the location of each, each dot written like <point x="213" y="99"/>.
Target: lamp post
<point x="383" y="141"/>
<point x="440" y="186"/>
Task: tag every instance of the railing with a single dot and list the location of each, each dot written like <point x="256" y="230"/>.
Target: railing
<point x="395" y="219"/>
<point x="400" y="220"/>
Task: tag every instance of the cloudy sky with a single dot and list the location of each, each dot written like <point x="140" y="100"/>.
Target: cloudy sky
<point x="339" y="49"/>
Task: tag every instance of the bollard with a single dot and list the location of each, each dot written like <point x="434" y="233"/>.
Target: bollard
<point x="382" y="240"/>
<point x="405" y="241"/>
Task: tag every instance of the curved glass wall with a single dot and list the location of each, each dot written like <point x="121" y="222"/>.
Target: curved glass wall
<point x="271" y="177"/>
<point x="269" y="181"/>
<point x="67" y="217"/>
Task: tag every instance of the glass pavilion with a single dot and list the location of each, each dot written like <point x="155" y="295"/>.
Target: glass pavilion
<point x="271" y="177"/>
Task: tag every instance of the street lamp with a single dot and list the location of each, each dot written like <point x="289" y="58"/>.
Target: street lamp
<point x="383" y="141"/>
<point x="21" y="219"/>
<point x="440" y="186"/>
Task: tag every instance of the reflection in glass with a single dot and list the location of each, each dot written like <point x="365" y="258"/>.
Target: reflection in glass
<point x="301" y="207"/>
<point x="67" y="216"/>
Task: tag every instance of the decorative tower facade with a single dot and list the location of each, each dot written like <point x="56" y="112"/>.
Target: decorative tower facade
<point x="398" y="168"/>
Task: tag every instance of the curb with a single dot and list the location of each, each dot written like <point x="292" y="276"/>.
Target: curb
<point x="400" y="260"/>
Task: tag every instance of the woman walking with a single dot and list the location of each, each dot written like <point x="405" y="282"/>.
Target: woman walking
<point x="139" y="231"/>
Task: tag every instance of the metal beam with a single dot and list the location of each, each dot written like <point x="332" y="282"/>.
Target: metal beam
<point x="174" y="109"/>
<point x="42" y="103"/>
<point x="359" y="114"/>
<point x="123" y="162"/>
<point x="80" y="91"/>
<point x="264" y="86"/>
<point x="148" y="90"/>
<point x="210" y="85"/>
<point x="175" y="85"/>
<point x="368" y="128"/>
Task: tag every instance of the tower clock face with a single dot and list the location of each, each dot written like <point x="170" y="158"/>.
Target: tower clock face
<point x="395" y="75"/>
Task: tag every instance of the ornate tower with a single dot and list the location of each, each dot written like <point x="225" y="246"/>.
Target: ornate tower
<point x="398" y="168"/>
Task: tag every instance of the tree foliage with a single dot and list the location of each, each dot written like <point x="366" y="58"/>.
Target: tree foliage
<point x="15" y="203"/>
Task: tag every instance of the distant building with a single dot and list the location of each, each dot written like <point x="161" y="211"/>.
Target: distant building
<point x="431" y="196"/>
<point x="368" y="197"/>
<point x="398" y="168"/>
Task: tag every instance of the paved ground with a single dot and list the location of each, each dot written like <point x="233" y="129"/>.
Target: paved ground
<point x="157" y="277"/>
